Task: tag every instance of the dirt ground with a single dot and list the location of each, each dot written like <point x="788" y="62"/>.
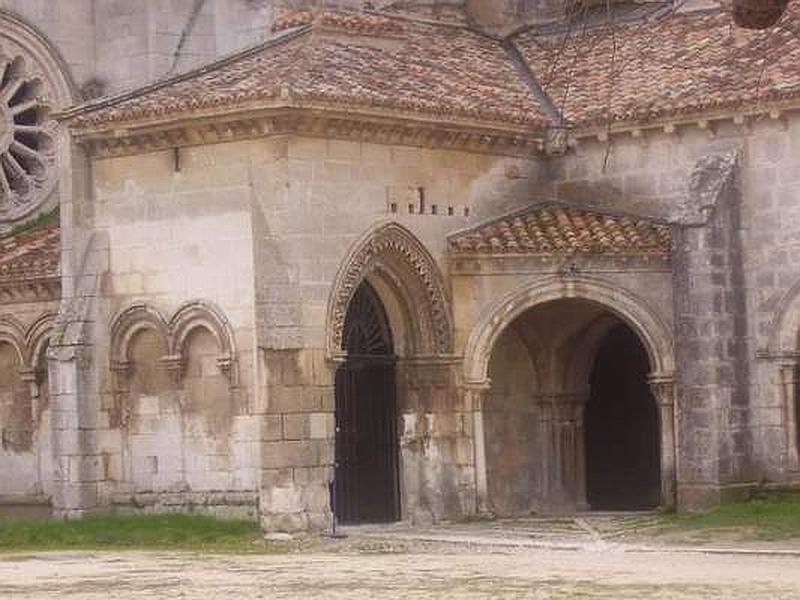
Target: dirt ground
<point x="561" y="561"/>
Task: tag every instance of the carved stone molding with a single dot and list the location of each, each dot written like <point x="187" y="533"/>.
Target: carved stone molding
<point x="302" y="121"/>
<point x="711" y="176"/>
<point x="390" y="244"/>
<point x="30" y="290"/>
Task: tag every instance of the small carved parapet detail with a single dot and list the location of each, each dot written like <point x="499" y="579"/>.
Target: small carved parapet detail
<point x="394" y="241"/>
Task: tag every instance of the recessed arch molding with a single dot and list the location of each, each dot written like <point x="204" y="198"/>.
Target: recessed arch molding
<point x="175" y="332"/>
<point x="392" y="248"/>
<point x="634" y="311"/>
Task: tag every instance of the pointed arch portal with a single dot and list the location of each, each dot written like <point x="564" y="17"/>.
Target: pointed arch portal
<point x="367" y="478"/>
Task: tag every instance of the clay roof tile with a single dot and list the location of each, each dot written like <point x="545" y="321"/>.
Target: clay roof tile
<point x="562" y="229"/>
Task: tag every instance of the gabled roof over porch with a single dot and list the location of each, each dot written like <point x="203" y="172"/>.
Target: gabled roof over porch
<point x="553" y="228"/>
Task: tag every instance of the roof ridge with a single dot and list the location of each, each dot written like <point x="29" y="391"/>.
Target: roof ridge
<point x="281" y="37"/>
<point x="531" y="81"/>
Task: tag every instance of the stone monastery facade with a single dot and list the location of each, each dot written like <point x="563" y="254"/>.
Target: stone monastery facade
<point x="396" y="260"/>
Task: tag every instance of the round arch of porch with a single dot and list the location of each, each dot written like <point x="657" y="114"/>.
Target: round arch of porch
<point x="627" y="308"/>
<point x="782" y="351"/>
<point x="632" y="310"/>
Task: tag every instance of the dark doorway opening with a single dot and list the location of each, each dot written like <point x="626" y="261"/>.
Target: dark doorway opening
<point x="366" y="483"/>
<point x="622" y="435"/>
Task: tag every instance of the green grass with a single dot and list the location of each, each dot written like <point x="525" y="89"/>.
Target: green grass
<point x="152" y="532"/>
<point x="770" y="519"/>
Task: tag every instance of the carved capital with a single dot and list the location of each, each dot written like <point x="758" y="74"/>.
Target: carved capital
<point x="787" y="370"/>
<point x="173" y="365"/>
<point x="662" y="387"/>
<point x="475" y="394"/>
<point x="227" y="366"/>
<point x="28" y="375"/>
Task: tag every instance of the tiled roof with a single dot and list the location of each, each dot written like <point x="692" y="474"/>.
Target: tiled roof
<point x="374" y="62"/>
<point x="680" y="64"/>
<point x="625" y="71"/>
<point x="30" y="256"/>
<point x="559" y="229"/>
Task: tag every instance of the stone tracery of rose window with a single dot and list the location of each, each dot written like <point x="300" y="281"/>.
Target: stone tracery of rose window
<point x="26" y="141"/>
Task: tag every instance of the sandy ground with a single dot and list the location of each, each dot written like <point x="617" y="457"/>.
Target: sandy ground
<point x="610" y="557"/>
<point x="379" y="571"/>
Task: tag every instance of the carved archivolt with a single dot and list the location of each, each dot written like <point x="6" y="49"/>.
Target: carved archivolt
<point x="175" y="333"/>
<point x="394" y="249"/>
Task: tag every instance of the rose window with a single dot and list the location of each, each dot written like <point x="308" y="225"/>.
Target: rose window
<point x="26" y="146"/>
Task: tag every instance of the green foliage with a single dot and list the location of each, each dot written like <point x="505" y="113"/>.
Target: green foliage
<point x="765" y="519"/>
<point x="152" y="532"/>
<point x="42" y="220"/>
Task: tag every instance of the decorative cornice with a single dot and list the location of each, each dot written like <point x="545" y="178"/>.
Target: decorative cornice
<point x="311" y="120"/>
<point x="708" y="121"/>
<point x="32" y="289"/>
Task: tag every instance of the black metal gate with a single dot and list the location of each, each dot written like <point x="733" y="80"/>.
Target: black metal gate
<point x="366" y="481"/>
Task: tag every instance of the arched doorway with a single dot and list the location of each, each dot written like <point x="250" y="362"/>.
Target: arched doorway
<point x="569" y="421"/>
<point x="366" y="484"/>
<point x="621" y="423"/>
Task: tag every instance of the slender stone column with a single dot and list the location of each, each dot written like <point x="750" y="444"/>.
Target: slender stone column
<point x="29" y="377"/>
<point x="476" y="393"/>
<point x="662" y="387"/>
<point x="579" y="401"/>
<point x="788" y="382"/>
<point x="571" y="444"/>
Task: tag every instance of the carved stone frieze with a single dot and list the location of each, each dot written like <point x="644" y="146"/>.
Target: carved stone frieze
<point x="281" y="121"/>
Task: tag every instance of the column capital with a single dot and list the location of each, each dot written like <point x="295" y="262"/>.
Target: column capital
<point x="474" y="393"/>
<point x="788" y="371"/>
<point x="662" y="385"/>
<point x="28" y="375"/>
<point x="174" y="365"/>
<point x="477" y="385"/>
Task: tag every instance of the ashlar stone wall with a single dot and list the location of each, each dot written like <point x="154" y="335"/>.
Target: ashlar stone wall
<point x="317" y="203"/>
<point x="173" y="339"/>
